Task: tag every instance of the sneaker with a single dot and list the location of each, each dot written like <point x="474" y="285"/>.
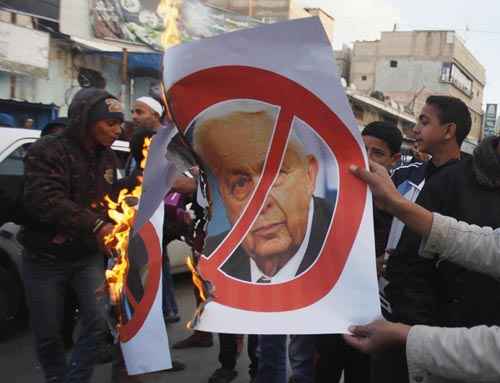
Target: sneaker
<point x="223" y="375"/>
<point x="197" y="339"/>
<point x="177" y="366"/>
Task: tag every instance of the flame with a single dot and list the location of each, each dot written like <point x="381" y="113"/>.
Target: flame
<point x="198" y="282"/>
<point x="123" y="213"/>
<point x="168" y="9"/>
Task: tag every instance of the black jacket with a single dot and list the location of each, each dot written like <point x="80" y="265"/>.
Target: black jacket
<point x="65" y="185"/>
<point x="440" y="293"/>
<point x="238" y="264"/>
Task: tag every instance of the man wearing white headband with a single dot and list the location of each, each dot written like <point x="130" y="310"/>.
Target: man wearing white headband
<point x="147" y="113"/>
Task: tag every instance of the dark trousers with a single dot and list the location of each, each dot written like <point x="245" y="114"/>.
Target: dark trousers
<point x="335" y="356"/>
<point x="271" y="354"/>
<point x="46" y="282"/>
<point x="169" y="301"/>
<point x="228" y="352"/>
<point x="302" y="353"/>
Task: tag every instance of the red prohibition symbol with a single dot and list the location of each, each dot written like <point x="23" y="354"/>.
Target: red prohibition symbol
<point x="214" y="85"/>
<point x="143" y="307"/>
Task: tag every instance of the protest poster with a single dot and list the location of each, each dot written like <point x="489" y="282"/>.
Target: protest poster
<point x="289" y="248"/>
<point x="142" y="332"/>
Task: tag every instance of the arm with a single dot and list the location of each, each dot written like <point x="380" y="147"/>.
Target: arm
<point x="470" y="246"/>
<point x="387" y="198"/>
<point x="473" y="247"/>
<point x="47" y="192"/>
<point x="454" y="353"/>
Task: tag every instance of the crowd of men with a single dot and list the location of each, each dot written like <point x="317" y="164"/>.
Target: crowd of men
<point x="437" y="276"/>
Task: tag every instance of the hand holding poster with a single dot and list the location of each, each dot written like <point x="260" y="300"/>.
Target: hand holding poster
<point x="290" y="244"/>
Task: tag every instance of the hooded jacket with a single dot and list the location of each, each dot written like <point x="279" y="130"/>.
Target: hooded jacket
<point x="65" y="185"/>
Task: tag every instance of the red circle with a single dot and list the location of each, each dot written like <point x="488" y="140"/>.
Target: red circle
<point x="131" y="328"/>
<point x="211" y="86"/>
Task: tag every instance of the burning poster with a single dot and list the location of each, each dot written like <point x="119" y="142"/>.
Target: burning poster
<point x="163" y="23"/>
<point x="289" y="247"/>
<point x="134" y="275"/>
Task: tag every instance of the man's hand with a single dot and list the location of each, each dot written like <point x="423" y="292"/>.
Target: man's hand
<point x="101" y="235"/>
<point x="385" y="194"/>
<point x="377" y="336"/>
<point x="184" y="185"/>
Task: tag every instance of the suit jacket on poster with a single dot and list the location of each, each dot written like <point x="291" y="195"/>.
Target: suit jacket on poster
<point x="238" y="264"/>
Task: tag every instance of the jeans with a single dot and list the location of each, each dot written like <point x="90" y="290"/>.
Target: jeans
<point x="301" y="352"/>
<point x="46" y="281"/>
<point x="272" y="359"/>
<point x="228" y="352"/>
<point x="169" y="302"/>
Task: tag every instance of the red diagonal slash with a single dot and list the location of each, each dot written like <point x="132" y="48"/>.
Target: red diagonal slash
<point x="197" y="92"/>
<point x="269" y="173"/>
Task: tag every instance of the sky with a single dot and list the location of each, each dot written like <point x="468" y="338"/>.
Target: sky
<point x="477" y="22"/>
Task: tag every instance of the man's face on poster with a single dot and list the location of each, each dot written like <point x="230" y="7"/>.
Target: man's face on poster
<point x="235" y="149"/>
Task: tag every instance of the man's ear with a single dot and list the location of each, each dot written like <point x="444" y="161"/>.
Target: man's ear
<point x="312" y="171"/>
<point x="451" y="131"/>
<point x="395" y="158"/>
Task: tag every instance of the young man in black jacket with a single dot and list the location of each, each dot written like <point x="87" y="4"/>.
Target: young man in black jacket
<point x="425" y="292"/>
<point x="66" y="178"/>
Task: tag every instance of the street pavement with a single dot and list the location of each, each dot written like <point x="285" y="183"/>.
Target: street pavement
<point x="18" y="361"/>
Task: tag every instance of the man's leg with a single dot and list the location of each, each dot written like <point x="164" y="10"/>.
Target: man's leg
<point x="228" y="354"/>
<point x="88" y="276"/>
<point x="197" y="338"/>
<point x="69" y="321"/>
<point x="170" y="309"/>
<point x="302" y="351"/>
<point x="44" y="281"/>
<point x="272" y="359"/>
<point x="331" y="358"/>
<point x="252" y="346"/>
<point x="357" y="368"/>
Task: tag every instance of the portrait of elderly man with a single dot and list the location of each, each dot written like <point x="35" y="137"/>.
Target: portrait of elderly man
<point x="288" y="234"/>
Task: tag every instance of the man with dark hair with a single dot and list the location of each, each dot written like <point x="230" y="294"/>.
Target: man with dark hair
<point x="452" y="111"/>
<point x="66" y="176"/>
<point x="54" y="127"/>
<point x="422" y="291"/>
<point x="383" y="142"/>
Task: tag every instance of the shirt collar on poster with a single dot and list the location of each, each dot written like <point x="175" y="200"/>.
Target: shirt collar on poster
<point x="289" y="271"/>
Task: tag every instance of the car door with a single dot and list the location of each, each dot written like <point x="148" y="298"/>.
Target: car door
<point x="12" y="166"/>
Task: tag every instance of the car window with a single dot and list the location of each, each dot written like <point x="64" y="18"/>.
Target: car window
<point x="13" y="164"/>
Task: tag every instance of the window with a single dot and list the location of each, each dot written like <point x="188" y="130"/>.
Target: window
<point x="13" y="165"/>
<point x="452" y="74"/>
<point x="394" y="64"/>
<point x="363" y="78"/>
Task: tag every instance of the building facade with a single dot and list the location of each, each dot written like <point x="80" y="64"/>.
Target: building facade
<point x="409" y="66"/>
<point x="270" y="11"/>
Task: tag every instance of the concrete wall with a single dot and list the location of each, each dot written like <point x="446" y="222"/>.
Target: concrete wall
<point x="467" y="60"/>
<point x="410" y="76"/>
<point x="418" y="44"/>
<point x="343" y="61"/>
<point x="75" y="18"/>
